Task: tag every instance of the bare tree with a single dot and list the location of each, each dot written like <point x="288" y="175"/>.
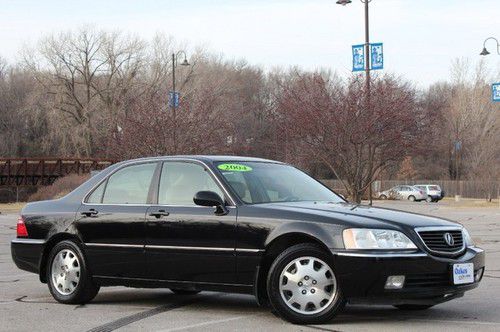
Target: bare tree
<point x="474" y="121"/>
<point x="87" y="75"/>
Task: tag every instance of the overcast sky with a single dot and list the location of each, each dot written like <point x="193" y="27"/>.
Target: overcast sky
<point x="421" y="37"/>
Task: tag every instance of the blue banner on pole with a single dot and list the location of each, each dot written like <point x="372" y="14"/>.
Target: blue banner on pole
<point x="495" y="92"/>
<point x="358" y="57"/>
<point x="377" y="56"/>
<point x="173" y="99"/>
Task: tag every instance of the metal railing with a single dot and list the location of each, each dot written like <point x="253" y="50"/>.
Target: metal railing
<point x="44" y="171"/>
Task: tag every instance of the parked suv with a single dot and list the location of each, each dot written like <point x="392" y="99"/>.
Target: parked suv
<point x="410" y="193"/>
<point x="433" y="191"/>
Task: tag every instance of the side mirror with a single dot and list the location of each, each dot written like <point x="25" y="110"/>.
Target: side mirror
<point x="209" y="198"/>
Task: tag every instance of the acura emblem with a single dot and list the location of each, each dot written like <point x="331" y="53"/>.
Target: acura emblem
<point x="448" y="239"/>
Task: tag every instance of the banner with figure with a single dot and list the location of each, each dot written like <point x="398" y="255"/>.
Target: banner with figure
<point x="358" y="57"/>
<point x="377" y="56"/>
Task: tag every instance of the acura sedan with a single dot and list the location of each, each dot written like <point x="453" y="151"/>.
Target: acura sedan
<point x="245" y="225"/>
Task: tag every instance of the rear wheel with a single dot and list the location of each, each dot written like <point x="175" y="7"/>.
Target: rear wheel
<point x="429" y="199"/>
<point x="302" y="285"/>
<point x="68" y="277"/>
<point x="383" y="197"/>
<point x="411" y="198"/>
<point x="413" y="306"/>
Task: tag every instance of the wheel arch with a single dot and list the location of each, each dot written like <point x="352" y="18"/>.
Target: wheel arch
<point x="274" y="246"/>
<point x="55" y="239"/>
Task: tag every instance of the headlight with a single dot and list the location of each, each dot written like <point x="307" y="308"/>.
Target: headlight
<point x="361" y="238"/>
<point x="467" y="238"/>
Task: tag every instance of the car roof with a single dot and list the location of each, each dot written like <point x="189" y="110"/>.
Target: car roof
<point x="208" y="158"/>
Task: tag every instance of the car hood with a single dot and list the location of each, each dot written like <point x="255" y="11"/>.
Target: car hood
<point x="356" y="215"/>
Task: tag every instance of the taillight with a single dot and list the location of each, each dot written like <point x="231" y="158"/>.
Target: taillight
<point x="21" y="228"/>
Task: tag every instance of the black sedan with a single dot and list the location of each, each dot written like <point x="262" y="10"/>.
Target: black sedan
<point x="247" y="225"/>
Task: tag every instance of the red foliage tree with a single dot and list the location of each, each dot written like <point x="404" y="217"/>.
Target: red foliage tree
<point x="329" y="120"/>
<point x="151" y="129"/>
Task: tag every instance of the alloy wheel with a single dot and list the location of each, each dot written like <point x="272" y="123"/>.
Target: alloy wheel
<point x="65" y="272"/>
<point x="307" y="285"/>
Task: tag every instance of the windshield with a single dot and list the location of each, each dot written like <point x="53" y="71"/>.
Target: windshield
<point x="260" y="182"/>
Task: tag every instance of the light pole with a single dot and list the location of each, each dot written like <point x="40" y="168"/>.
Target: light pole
<point x="367" y="42"/>
<point x="173" y="100"/>
<point x="485" y="51"/>
<point x="367" y="59"/>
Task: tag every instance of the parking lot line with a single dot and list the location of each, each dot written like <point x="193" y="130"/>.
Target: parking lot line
<point x="127" y="320"/>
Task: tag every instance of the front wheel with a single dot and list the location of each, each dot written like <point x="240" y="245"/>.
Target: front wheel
<point x="413" y="306"/>
<point x="68" y="277"/>
<point x="302" y="285"/>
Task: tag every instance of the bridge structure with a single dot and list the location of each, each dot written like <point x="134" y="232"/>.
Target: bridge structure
<point x="44" y="171"/>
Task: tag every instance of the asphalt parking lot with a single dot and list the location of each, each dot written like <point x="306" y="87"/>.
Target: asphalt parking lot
<point x="25" y="303"/>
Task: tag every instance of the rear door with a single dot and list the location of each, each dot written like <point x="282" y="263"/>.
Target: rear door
<point x="405" y="192"/>
<point x="111" y="221"/>
<point x="187" y="242"/>
<point x="396" y="192"/>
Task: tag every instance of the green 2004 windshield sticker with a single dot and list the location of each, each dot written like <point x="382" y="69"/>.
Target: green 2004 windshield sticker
<point x="235" y="167"/>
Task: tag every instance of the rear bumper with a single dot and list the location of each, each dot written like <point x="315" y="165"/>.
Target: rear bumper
<point x="27" y="253"/>
<point x="428" y="279"/>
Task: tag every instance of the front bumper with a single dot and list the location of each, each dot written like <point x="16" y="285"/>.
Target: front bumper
<point x="429" y="280"/>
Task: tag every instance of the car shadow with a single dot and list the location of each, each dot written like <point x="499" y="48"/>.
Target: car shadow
<point x="235" y="303"/>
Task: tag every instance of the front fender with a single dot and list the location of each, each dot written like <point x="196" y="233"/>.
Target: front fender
<point x="329" y="235"/>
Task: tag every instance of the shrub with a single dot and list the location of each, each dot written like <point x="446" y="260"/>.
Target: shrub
<point x="59" y="188"/>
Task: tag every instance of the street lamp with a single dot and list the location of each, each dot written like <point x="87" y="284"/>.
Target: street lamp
<point x="485" y="51"/>
<point x="173" y="101"/>
<point x="174" y="65"/>
<point x="367" y="57"/>
<point x="367" y="41"/>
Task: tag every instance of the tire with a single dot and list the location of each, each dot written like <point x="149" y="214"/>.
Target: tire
<point x="184" y="291"/>
<point x="383" y="197"/>
<point x="413" y="307"/>
<point x="411" y="198"/>
<point x="429" y="199"/>
<point x="68" y="277"/>
<point x="315" y="278"/>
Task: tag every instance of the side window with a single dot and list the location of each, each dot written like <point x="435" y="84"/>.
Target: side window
<point x="96" y="196"/>
<point x="129" y="185"/>
<point x="180" y="181"/>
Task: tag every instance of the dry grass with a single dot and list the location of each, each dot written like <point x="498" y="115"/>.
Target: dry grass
<point x="471" y="203"/>
<point x="11" y="207"/>
<point x="59" y="188"/>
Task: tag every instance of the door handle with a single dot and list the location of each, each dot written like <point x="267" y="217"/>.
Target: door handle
<point x="89" y="213"/>
<point x="158" y="214"/>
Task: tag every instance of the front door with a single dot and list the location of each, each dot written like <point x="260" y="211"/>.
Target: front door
<point x="111" y="222"/>
<point x="186" y="242"/>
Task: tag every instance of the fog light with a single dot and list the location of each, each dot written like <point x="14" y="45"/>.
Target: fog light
<point x="479" y="275"/>
<point x="395" y="282"/>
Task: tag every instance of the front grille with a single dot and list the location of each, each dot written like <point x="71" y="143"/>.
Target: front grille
<point x="435" y="241"/>
<point x="427" y="280"/>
